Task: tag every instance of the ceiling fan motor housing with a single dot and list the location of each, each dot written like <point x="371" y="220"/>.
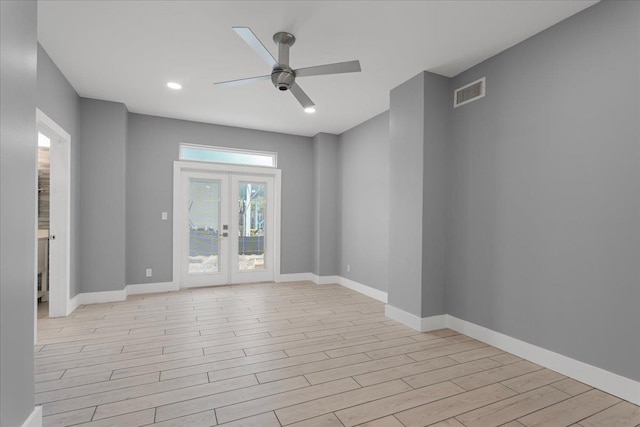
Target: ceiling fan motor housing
<point x="283" y="78"/>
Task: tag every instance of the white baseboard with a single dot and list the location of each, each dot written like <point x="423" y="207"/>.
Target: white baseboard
<point x="147" y="288"/>
<point x="363" y="289"/>
<point x="35" y="419"/>
<point x="609" y="382"/>
<point x="101" y="297"/>
<point x="327" y="280"/>
<point x="150" y="288"/>
<point x="617" y="385"/>
<point x="421" y="324"/>
<point x="114" y="296"/>
<point x="73" y="304"/>
<point x="339" y="280"/>
<point x="295" y="277"/>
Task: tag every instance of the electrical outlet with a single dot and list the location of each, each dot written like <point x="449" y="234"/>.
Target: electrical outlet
<point x="148" y="272"/>
<point x="164" y="216"/>
<point x="348" y="268"/>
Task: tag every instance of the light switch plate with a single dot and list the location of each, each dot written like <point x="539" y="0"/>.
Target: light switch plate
<point x="164" y="216"/>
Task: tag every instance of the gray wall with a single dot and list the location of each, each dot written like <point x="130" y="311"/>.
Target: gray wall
<point x="419" y="133"/>
<point x="406" y="162"/>
<point x="101" y="193"/>
<point x="364" y="202"/>
<point x="59" y="100"/>
<point x="17" y="208"/>
<point x="315" y="215"/>
<point x="326" y="209"/>
<point x="545" y="199"/>
<point x="437" y="126"/>
<point x="152" y="148"/>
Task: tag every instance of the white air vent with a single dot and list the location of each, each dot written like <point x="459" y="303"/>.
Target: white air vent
<point x="471" y="92"/>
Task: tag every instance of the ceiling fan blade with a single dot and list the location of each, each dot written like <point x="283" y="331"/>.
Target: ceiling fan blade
<point x="239" y="82"/>
<point x="254" y="42"/>
<point x="302" y="97"/>
<point x="319" y="70"/>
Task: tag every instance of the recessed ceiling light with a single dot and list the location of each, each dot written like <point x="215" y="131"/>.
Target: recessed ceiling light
<point x="310" y="110"/>
<point x="174" y="85"/>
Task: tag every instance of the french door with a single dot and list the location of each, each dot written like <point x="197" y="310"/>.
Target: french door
<point x="226" y="228"/>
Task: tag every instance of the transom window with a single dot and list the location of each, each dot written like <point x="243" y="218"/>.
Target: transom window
<point x="206" y="153"/>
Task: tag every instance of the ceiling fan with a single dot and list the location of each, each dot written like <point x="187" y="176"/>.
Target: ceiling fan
<point x="282" y="75"/>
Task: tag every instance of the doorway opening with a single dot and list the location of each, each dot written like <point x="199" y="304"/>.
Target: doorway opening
<point x="54" y="218"/>
<point x="226" y="224"/>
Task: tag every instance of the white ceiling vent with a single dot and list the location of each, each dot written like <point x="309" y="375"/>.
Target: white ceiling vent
<point x="471" y="92"/>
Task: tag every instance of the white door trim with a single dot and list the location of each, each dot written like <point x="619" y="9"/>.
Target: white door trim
<point x="180" y="166"/>
<point x="60" y="211"/>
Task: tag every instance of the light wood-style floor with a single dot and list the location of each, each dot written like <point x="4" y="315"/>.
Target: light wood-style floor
<point x="290" y="354"/>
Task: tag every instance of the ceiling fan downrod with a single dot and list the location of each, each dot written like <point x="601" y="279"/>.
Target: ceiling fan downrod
<point x="282" y="75"/>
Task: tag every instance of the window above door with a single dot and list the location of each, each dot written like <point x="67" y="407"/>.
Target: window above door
<point x="210" y="154"/>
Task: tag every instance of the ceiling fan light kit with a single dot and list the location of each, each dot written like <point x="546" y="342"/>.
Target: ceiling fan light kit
<point x="282" y="75"/>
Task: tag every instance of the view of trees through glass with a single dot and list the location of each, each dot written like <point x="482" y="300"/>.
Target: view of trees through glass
<point x="252" y="204"/>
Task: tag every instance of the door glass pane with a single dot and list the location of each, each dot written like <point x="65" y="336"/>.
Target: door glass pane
<point x="204" y="226"/>
<point x="252" y="205"/>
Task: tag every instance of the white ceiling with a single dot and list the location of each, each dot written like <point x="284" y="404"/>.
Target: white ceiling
<point x="126" y="51"/>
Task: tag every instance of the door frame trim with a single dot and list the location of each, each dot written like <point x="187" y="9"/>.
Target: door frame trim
<point x="180" y="166"/>
<point x="60" y="275"/>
